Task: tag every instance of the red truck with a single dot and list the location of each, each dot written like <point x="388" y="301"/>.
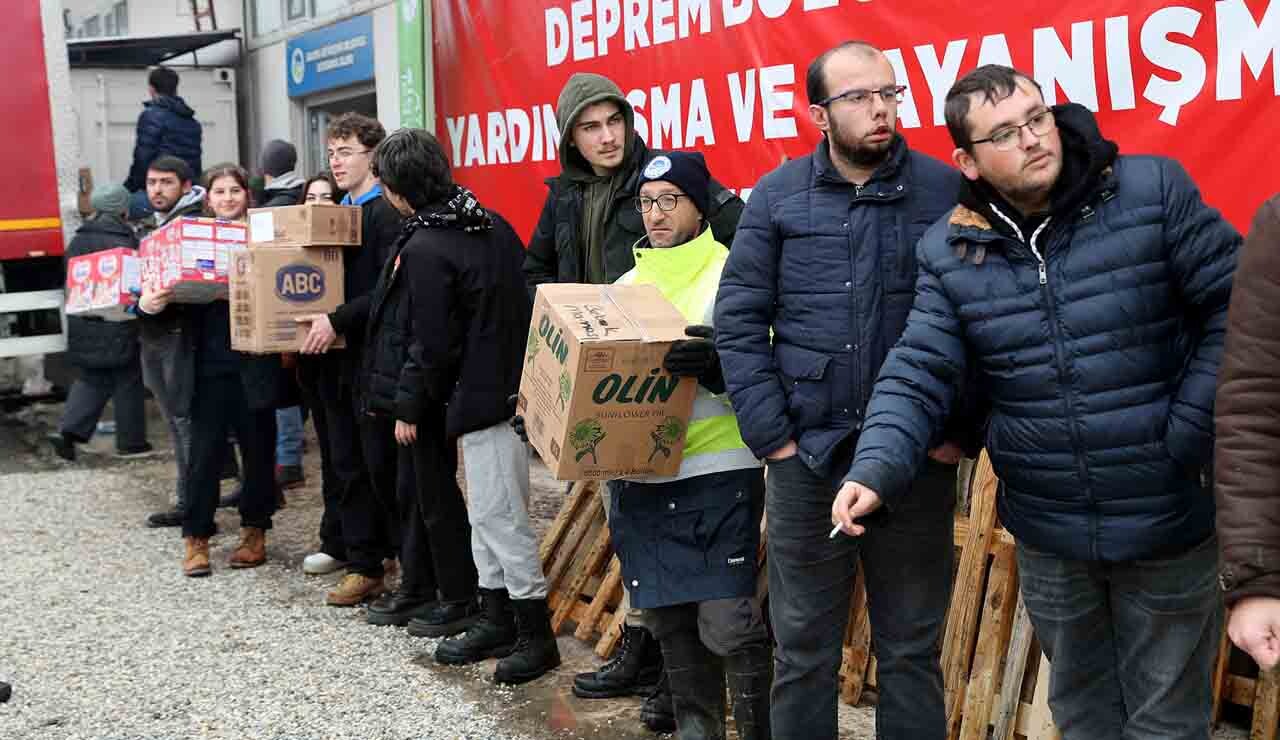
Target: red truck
<point x="37" y="193"/>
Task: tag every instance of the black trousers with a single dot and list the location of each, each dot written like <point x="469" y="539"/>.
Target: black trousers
<point x="218" y="407"/>
<point x="440" y="520"/>
<point x="331" y="541"/>
<point x="379" y="522"/>
<point x="89" y="395"/>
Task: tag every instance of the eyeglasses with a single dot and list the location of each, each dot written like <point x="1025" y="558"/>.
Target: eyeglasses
<point x="666" y="202"/>
<point x="890" y="94"/>
<point x="1008" y="137"/>
<point x="346" y="153"/>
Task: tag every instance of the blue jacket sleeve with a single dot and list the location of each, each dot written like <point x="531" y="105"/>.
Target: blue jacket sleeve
<point x="744" y="314"/>
<point x="145" y="150"/>
<point x="1203" y="249"/>
<point x="913" y="393"/>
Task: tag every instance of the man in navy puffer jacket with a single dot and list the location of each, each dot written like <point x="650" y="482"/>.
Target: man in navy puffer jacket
<point x="1089" y="292"/>
<point x="167" y="125"/>
<point x="816" y="290"/>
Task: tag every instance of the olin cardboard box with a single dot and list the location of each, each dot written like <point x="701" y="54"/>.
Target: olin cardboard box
<point x="310" y="225"/>
<point x="190" y="255"/>
<point x="271" y="287"/>
<point x="102" y="284"/>
<point x="596" y="401"/>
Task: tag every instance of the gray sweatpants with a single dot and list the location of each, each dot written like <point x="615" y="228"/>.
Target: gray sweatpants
<point x="496" y="466"/>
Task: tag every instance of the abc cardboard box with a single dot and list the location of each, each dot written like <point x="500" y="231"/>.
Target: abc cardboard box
<point x="271" y="287"/>
<point x="597" y="403"/>
<point x="310" y="225"/>
<point x="102" y="284"/>
<point x="190" y="255"/>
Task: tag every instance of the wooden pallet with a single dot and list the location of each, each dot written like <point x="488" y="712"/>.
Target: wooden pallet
<point x="995" y="676"/>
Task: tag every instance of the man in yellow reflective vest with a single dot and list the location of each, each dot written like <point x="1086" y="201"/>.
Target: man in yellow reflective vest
<point x="688" y="543"/>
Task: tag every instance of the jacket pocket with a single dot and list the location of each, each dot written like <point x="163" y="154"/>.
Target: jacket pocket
<point x="804" y="377"/>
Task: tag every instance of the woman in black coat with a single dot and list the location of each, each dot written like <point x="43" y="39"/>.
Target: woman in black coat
<point x="231" y="392"/>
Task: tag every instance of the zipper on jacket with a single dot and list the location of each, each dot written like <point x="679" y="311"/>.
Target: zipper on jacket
<point x="1052" y="310"/>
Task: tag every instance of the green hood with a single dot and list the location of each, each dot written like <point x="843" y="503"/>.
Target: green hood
<point x="582" y="90"/>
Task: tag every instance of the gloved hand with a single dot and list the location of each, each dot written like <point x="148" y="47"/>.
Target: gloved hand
<point x="693" y="358"/>
<point x="517" y="421"/>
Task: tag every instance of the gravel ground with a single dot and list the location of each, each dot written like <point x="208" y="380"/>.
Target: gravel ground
<point x="104" y="639"/>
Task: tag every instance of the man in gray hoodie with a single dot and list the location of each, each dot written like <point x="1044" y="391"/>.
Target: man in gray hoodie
<point x="588" y="226"/>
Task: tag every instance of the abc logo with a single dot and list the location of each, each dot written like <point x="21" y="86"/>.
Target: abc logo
<point x="300" y="283"/>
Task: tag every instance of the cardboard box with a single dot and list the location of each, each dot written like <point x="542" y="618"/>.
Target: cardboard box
<point x="270" y="288"/>
<point x="190" y="255"/>
<point x="310" y="225"/>
<point x="596" y="401"/>
<point x="102" y="284"/>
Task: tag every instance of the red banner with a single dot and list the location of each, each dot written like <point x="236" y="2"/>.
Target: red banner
<point x="1197" y="81"/>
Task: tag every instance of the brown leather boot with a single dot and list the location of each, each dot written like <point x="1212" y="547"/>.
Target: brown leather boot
<point x="354" y="589"/>
<point x="196" y="561"/>
<point x="252" y="550"/>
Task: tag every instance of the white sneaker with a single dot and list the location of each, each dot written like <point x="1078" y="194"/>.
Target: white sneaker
<point x="319" y="563"/>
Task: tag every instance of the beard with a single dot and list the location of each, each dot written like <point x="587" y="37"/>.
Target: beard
<point x="854" y="150"/>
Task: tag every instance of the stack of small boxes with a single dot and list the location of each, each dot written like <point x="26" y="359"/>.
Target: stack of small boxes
<point x="104" y="284"/>
<point x="291" y="268"/>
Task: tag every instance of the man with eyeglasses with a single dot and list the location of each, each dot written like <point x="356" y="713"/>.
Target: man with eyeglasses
<point x="1090" y="292"/>
<point x="815" y="292"/>
<point x="368" y="512"/>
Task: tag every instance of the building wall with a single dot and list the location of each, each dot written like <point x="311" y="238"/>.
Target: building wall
<point x="154" y="17"/>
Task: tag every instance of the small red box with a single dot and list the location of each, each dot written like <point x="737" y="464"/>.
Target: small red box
<point x="102" y="284"/>
<point x="191" y="255"/>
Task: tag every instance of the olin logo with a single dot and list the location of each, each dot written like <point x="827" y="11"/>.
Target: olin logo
<point x="300" y="283"/>
<point x="654" y="388"/>
<point x="554" y="339"/>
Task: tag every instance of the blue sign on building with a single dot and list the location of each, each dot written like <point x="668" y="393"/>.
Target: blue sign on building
<point x="333" y="56"/>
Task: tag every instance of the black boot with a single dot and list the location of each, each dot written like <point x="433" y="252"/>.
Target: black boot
<point x="492" y="636"/>
<point x="446" y="619"/>
<point x="398" y="607"/>
<point x="750" y="675"/>
<point x="634" y="669"/>
<point x="656" y="713"/>
<point x="697" y="686"/>
<point x="535" y="651"/>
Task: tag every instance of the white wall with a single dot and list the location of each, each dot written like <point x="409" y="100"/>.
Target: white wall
<point x="386" y="65"/>
<point x="158" y="17"/>
<point x="270" y="111"/>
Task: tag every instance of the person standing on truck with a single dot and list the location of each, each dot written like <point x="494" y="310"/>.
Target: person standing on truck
<point x="284" y="188"/>
<point x="166" y="126"/>
<point x="229" y="391"/>
<point x="171" y="195"/>
<point x="105" y="352"/>
<point x="369" y="522"/>
<point x="585" y="235"/>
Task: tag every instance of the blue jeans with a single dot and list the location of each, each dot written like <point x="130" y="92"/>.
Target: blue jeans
<point x="1132" y="644"/>
<point x="289" y="436"/>
<point x="906" y="555"/>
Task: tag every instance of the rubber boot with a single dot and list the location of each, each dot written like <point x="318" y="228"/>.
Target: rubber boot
<point x="634" y="669"/>
<point x="750" y="676"/>
<point x="696" y="676"/>
<point x="536" y="651"/>
<point x="492" y="636"/>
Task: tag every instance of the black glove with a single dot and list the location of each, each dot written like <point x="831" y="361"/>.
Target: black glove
<point x="696" y="357"/>
<point x="517" y="421"/>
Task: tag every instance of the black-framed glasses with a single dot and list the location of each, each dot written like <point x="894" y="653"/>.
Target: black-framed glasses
<point x="1008" y="137"/>
<point x="666" y="202"/>
<point x="890" y="94"/>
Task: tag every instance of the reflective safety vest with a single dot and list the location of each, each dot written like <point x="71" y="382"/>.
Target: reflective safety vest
<point x="689" y="276"/>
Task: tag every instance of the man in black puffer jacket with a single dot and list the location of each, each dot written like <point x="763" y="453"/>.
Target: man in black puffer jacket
<point x="1090" y="292"/>
<point x="167" y="125"/>
<point x="105" y="352"/>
